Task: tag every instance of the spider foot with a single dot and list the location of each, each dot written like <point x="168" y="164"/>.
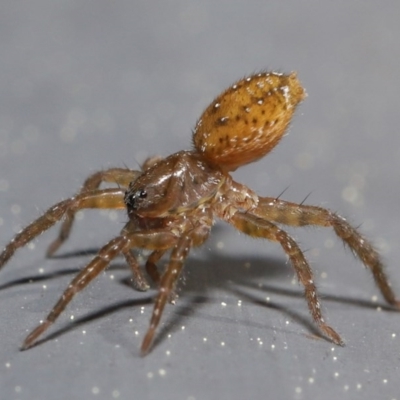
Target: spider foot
<point x="140" y="284"/>
<point x="31" y="338"/>
<point x="332" y="334"/>
<point x="147" y="341"/>
<point x="53" y="247"/>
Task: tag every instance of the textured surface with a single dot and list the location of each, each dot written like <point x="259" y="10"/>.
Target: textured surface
<point x="90" y="85"/>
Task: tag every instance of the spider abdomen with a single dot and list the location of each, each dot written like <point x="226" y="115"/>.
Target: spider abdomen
<point x="248" y="119"/>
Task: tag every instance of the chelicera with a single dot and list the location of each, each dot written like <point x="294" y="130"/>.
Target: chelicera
<point x="172" y="202"/>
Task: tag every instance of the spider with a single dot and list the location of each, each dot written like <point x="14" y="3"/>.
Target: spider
<point x="172" y="202"/>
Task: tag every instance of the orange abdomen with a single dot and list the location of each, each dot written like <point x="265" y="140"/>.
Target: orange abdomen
<point x="247" y="120"/>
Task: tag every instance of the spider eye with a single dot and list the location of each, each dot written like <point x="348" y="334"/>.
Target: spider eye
<point x="132" y="199"/>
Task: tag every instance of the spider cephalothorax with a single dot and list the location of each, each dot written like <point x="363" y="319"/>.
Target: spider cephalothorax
<point x="172" y="202"/>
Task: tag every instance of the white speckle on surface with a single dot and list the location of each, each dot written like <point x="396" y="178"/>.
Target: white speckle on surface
<point x="346" y="388"/>
<point x="393" y="335"/>
<point x="336" y="374"/>
<point x="220" y="245"/>
<point x="222" y="343"/>
<point x="168" y="353"/>
<point x="162" y="372"/>
<point x="136" y="333"/>
<point x="311" y="380"/>
<point x="18" y="389"/>
<point x="358" y="386"/>
<point x="385" y="381"/>
<point x="112" y="277"/>
<point x="223" y="304"/>
<point x="95" y="390"/>
<point x="41" y="271"/>
<point x="115" y="394"/>
<point x="83" y="332"/>
<point x="324" y="275"/>
<point x="8" y="365"/>
<point x="71" y="317"/>
<point x="298" y="390"/>
<point x="150" y="375"/>
<point x="287" y="322"/>
<point x="183" y="327"/>
<point x="374" y="299"/>
<point x="44" y="287"/>
<point x="204" y="339"/>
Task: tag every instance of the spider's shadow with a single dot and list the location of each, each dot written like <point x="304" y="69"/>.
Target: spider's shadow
<point x="202" y="278"/>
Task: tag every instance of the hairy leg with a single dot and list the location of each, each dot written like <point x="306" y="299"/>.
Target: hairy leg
<point x="257" y="227"/>
<point x="90" y="272"/>
<point x="119" y="176"/>
<point x="139" y="281"/>
<point x="292" y="214"/>
<point x="193" y="237"/>
<point x="152" y="239"/>
<point x="151" y="266"/>
<point x="167" y="284"/>
<point x="106" y="198"/>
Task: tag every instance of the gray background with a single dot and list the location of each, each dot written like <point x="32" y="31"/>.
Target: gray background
<point x="86" y="85"/>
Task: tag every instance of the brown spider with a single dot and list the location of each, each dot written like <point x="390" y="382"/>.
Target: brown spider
<point x="172" y="202"/>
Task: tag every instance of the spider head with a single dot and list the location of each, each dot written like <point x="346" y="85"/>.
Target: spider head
<point x="173" y="185"/>
<point x="144" y="198"/>
<point x="149" y="195"/>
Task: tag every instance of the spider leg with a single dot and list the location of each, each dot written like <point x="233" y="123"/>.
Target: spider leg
<point x="151" y="239"/>
<point x="106" y="198"/>
<point x="139" y="281"/>
<point x="292" y="214"/>
<point x="152" y="270"/>
<point x="151" y="266"/>
<point x="258" y="227"/>
<point x="167" y="283"/>
<point x="194" y="237"/>
<point x="91" y="271"/>
<point x="120" y="176"/>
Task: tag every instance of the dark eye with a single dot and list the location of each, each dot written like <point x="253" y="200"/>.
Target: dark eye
<point x="131" y="198"/>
